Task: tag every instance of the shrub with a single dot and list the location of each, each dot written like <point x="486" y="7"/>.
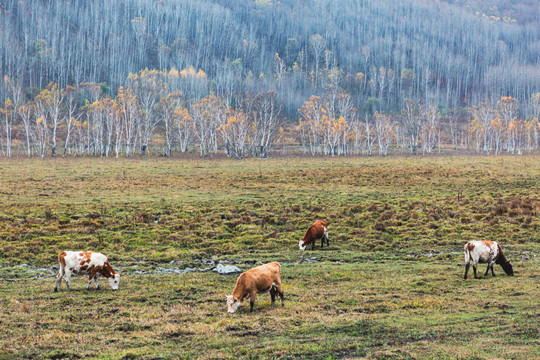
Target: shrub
<point x="380" y="227"/>
<point x="142" y="217"/>
<point x="513" y="212"/>
<point x="500" y="209"/>
<point x="355" y="209"/>
<point x="387" y="215"/>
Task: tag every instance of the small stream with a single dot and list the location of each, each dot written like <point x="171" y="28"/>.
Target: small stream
<point x="223" y="267"/>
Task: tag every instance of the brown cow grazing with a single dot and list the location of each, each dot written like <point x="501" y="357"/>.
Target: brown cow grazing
<point x="88" y="263"/>
<point x="485" y="252"/>
<point x="315" y="232"/>
<point x="259" y="280"/>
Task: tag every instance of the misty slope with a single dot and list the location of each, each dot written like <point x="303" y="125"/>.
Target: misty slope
<point x="454" y="56"/>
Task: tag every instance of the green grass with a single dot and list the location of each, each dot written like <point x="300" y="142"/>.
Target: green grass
<point x="374" y="308"/>
<point x="389" y="287"/>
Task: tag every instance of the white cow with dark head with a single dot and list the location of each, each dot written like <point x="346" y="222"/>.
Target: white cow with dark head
<point x="486" y="252"/>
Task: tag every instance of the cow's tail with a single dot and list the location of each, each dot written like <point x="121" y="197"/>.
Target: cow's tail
<point x="61" y="261"/>
<point x="467" y="251"/>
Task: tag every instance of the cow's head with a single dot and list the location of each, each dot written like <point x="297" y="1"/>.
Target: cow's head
<point x="232" y="304"/>
<point x="507" y="267"/>
<point x="302" y="245"/>
<point x="114" y="281"/>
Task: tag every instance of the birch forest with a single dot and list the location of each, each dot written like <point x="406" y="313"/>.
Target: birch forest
<point x="246" y="78"/>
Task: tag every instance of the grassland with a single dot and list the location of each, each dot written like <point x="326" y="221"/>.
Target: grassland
<point x="390" y="285"/>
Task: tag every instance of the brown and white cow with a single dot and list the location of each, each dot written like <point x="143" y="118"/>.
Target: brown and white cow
<point x="86" y="263"/>
<point x="319" y="230"/>
<point x="485" y="252"/>
<point x="259" y="280"/>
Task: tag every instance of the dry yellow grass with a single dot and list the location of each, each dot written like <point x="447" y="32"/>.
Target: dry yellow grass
<point x="389" y="286"/>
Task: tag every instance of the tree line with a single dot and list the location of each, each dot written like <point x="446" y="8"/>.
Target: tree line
<point x="151" y="116"/>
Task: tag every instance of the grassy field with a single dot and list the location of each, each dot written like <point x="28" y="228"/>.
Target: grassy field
<point x="389" y="287"/>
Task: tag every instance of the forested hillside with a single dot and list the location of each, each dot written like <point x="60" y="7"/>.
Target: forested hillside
<point x="450" y="54"/>
<point x="426" y="49"/>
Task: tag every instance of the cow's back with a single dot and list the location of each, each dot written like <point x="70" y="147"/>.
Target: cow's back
<point x="484" y="251"/>
<point x="262" y="276"/>
<point x="83" y="262"/>
<point x="315" y="231"/>
<point x="321" y="222"/>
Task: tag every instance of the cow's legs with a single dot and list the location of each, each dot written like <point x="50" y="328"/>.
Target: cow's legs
<point x="272" y="296"/>
<point x="474" y="269"/>
<point x="68" y="277"/>
<point x="59" y="278"/>
<point x="492" y="272"/>
<point x="252" y="300"/>
<point x="487" y="271"/>
<point x="313" y="244"/>
<point x="467" y="266"/>
<point x="279" y="290"/>
<point x="322" y="242"/>
<point x="95" y="278"/>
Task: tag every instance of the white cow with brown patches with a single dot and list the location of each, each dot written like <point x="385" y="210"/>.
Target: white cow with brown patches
<point x="86" y="263"/>
<point x="485" y="252"/>
<point x="259" y="280"/>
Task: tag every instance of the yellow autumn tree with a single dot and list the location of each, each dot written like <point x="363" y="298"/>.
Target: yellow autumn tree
<point x="49" y="103"/>
<point x="312" y="115"/>
<point x="208" y="114"/>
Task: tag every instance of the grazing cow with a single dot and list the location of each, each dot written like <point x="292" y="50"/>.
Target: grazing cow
<point x="315" y="232"/>
<point x="88" y="263"/>
<point x="486" y="252"/>
<point x="255" y="281"/>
